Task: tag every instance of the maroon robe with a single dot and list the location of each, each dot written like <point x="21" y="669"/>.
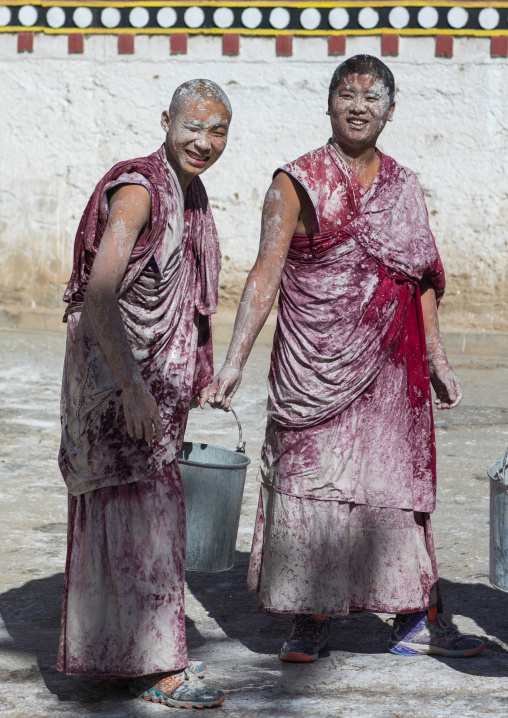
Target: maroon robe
<point x="123" y="608"/>
<point x="348" y="464"/>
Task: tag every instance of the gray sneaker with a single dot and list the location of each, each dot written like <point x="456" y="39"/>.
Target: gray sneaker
<point x="310" y="634"/>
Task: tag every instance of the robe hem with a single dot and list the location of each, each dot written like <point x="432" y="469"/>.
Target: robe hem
<point x="115" y="674"/>
<point x="334" y="613"/>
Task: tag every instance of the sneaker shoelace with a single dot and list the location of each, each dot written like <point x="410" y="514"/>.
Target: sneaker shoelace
<point x="191" y="677"/>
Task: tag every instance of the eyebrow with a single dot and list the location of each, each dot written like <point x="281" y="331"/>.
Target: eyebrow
<point x="370" y="91"/>
<point x="195" y="123"/>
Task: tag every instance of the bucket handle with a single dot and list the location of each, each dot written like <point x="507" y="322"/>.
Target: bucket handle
<point x="240" y="447"/>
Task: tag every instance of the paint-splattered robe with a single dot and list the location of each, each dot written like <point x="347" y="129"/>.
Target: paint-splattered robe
<point x="123" y="610"/>
<point x="348" y="464"/>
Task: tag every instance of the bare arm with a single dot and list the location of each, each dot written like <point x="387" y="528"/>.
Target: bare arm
<point x="281" y="213"/>
<point x="443" y="378"/>
<point x="129" y="215"/>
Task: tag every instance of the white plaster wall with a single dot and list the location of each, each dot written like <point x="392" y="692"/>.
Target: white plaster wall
<point x="65" y="119"/>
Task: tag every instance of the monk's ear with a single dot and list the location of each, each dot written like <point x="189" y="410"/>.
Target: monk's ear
<point x="165" y="121"/>
<point x="390" y="112"/>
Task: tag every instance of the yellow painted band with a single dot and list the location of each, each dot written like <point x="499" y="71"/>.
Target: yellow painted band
<point x="245" y="31"/>
<point x="263" y="3"/>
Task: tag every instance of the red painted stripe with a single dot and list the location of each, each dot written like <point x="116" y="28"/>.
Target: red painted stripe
<point x="76" y="43"/>
<point x="444" y="46"/>
<point x="178" y="44"/>
<point x="25" y="42"/>
<point x="284" y="45"/>
<point x="231" y="44"/>
<point x="337" y="45"/>
<point x="126" y="44"/>
<point x="390" y="45"/>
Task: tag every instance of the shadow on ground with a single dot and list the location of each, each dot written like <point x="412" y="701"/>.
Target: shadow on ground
<point x="31" y="614"/>
<point x="224" y="597"/>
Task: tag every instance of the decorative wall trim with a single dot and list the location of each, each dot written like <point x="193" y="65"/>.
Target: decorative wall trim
<point x="126" y="44"/>
<point x="284" y="45"/>
<point x="444" y="46"/>
<point x="499" y="46"/>
<point x="231" y="44"/>
<point x="390" y="45"/>
<point x="178" y="44"/>
<point x="489" y="19"/>
<point x="337" y="45"/>
<point x="26" y="42"/>
<point x="76" y="44"/>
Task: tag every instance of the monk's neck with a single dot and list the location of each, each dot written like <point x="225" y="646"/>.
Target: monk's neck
<point x="183" y="178"/>
<point x="184" y="182"/>
<point x="363" y="164"/>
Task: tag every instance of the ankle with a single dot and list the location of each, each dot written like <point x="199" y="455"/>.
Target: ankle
<point x="405" y="617"/>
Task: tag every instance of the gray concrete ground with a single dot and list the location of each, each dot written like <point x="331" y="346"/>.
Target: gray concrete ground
<point x="355" y="677"/>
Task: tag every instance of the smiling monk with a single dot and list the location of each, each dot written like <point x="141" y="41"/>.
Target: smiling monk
<point x="143" y="286"/>
<point x="348" y="464"/>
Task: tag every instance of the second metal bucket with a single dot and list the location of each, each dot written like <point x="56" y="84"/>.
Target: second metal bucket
<point x="213" y="481"/>
<point x="499" y="524"/>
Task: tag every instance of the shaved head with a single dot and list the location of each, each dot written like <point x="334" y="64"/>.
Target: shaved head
<point x="193" y="90"/>
<point x="196" y="126"/>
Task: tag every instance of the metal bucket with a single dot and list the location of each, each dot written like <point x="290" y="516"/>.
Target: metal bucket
<point x="499" y="524"/>
<point x="213" y="480"/>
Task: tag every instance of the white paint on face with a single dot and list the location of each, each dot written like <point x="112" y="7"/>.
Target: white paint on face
<point x="196" y="134"/>
<point x="359" y="110"/>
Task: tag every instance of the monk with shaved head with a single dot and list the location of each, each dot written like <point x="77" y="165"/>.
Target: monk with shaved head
<point x="144" y="284"/>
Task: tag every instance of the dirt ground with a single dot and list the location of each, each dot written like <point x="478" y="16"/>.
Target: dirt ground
<point x="355" y="676"/>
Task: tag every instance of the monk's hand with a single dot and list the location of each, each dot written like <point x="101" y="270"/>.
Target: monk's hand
<point x="445" y="382"/>
<point x="222" y="389"/>
<point x="141" y="413"/>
